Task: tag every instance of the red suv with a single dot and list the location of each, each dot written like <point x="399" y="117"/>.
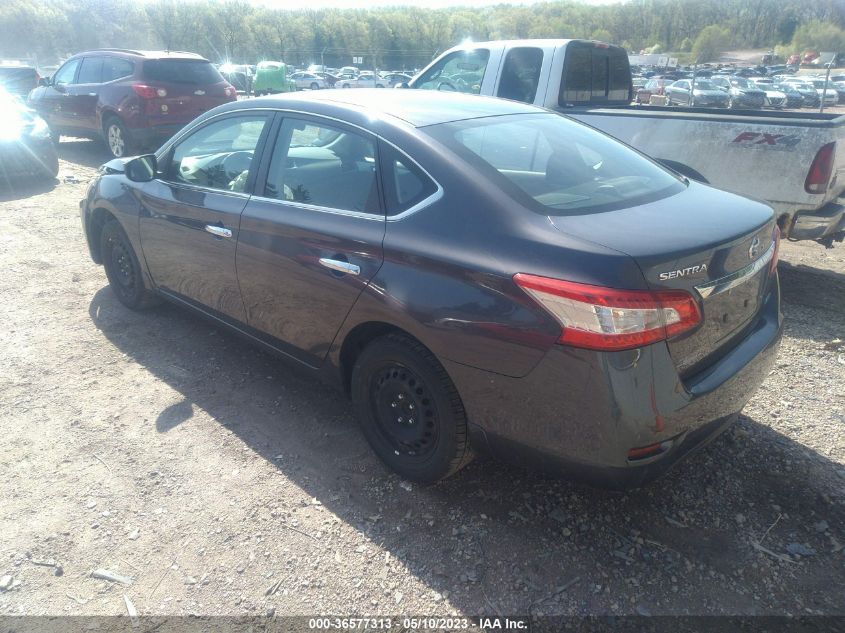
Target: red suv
<point x="132" y="99"/>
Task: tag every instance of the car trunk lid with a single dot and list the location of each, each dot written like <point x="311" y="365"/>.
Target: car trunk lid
<point x="706" y="242"/>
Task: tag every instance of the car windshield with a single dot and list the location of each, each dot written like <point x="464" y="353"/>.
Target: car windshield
<point x="554" y="165"/>
<point x="742" y="82"/>
<point x="181" y="71"/>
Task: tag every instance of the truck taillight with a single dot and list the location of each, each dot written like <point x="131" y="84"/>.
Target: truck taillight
<point x="148" y="92"/>
<point x="818" y="177"/>
<point x="608" y="319"/>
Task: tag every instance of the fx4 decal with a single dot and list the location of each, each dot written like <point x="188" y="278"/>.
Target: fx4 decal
<point x="764" y="140"/>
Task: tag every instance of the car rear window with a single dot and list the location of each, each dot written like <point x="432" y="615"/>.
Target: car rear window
<point x="181" y="71"/>
<point x="554" y="165"/>
<point x="595" y="73"/>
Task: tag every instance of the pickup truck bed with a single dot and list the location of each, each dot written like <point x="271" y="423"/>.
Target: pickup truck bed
<point x="760" y="154"/>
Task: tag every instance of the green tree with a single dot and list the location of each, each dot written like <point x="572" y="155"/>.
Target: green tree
<point x="818" y="36"/>
<point x="710" y="43"/>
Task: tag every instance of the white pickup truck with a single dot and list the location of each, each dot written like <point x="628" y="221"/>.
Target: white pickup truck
<point x="788" y="159"/>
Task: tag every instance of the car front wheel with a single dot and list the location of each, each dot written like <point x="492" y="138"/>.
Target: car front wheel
<point x="409" y="410"/>
<point x="123" y="269"/>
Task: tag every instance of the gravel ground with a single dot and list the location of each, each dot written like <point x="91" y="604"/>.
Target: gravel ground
<point x="219" y="481"/>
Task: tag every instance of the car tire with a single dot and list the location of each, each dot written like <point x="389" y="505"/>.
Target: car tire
<point x="123" y="269"/>
<point x="118" y="139"/>
<point x="427" y="440"/>
<point x="314" y="86"/>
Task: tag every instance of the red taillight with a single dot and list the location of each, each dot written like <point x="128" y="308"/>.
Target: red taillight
<point x="818" y="177"/>
<point x="608" y="319"/>
<point x="148" y="92"/>
<point x="230" y="91"/>
<point x="776" y="239"/>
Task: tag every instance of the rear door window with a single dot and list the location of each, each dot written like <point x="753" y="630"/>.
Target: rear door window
<point x="325" y="166"/>
<point x="521" y="74"/>
<point x="91" y="71"/>
<point x="116" y="68"/>
<point x="462" y="71"/>
<point x="181" y="71"/>
<point x="405" y="183"/>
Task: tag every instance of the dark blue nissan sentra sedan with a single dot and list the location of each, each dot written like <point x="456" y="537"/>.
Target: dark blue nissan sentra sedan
<point x="476" y="274"/>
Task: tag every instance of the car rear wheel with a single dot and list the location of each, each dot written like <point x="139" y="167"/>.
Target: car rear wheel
<point x="314" y="86"/>
<point x="117" y="138"/>
<point x="409" y="410"/>
<point x="122" y="268"/>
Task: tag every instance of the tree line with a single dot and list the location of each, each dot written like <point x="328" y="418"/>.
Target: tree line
<point x="397" y="37"/>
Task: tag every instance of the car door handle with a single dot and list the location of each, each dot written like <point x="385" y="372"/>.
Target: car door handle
<point x="219" y="231"/>
<point x="92" y="94"/>
<point x="340" y="266"/>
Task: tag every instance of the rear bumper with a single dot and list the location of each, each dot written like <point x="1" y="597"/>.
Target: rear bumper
<point x="814" y="225"/>
<point x="155" y="135"/>
<point x="580" y="412"/>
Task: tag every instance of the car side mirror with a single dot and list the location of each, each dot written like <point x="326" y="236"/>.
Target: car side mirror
<point x="402" y="85"/>
<point x="45" y="81"/>
<point x="141" y="168"/>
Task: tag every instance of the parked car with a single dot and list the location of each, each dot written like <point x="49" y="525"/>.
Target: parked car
<point x="704" y="95"/>
<point x="271" y="78"/>
<point x="18" y="79"/>
<point x="794" y="99"/>
<point x="131" y="99"/>
<point x="738" y="152"/>
<point x="26" y="147"/>
<point x="350" y="71"/>
<point x="311" y="81"/>
<point x="394" y="79"/>
<point x="774" y="98"/>
<point x="829" y="94"/>
<point x="811" y="96"/>
<point x="742" y="93"/>
<point x="239" y="75"/>
<point x="536" y="294"/>
<point x="329" y="78"/>
<point x="363" y="80"/>
<point x="654" y="86"/>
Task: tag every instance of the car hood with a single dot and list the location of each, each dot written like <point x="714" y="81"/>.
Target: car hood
<point x="709" y="93"/>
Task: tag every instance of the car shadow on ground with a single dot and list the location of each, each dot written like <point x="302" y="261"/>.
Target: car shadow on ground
<point x="497" y="539"/>
<point x="811" y="286"/>
<point x="83" y="152"/>
<point x="20" y="188"/>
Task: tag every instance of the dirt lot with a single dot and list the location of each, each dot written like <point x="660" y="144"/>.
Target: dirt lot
<point x="158" y="447"/>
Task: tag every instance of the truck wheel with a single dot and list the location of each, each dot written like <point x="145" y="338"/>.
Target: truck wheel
<point x="118" y="139"/>
<point x="123" y="269"/>
<point x="409" y="410"/>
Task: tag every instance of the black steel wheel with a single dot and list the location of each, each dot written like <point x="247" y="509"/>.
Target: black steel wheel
<point x="409" y="410"/>
<point x="123" y="269"/>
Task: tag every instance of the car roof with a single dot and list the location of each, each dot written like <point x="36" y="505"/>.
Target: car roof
<point x="418" y="108"/>
<point x="145" y="54"/>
